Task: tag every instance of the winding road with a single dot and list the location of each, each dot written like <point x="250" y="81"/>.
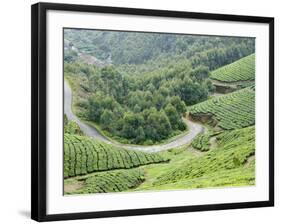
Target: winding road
<point x="194" y="129"/>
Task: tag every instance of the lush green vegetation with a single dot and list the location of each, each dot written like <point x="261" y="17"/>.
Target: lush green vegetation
<point x="241" y="70"/>
<point x="242" y="176"/>
<point x="139" y="109"/>
<point x="84" y="155"/>
<point x="202" y="142"/>
<point x="231" y="163"/>
<point x="71" y="127"/>
<point x="141" y="88"/>
<point x="230" y="111"/>
<point x="131" y="48"/>
<point x="234" y="149"/>
<point x="108" y="181"/>
<point x="140" y="93"/>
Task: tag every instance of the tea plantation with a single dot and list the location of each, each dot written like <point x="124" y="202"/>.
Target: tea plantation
<point x="240" y="70"/>
<point x="230" y="111"/>
<point x="234" y="149"/>
<point x="109" y="181"/>
<point x="138" y="88"/>
<point x="83" y="155"/>
<point x="202" y="142"/>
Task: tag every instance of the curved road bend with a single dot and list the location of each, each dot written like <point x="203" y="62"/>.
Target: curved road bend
<point x="194" y="129"/>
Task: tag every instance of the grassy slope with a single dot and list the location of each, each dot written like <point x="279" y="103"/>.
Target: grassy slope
<point x="226" y="165"/>
<point x="86" y="183"/>
<point x="202" y="141"/>
<point x="108" y="181"/>
<point x="231" y="111"/>
<point x="224" y="178"/>
<point x="83" y="155"/>
<point x="240" y="70"/>
<point x="229" y="164"/>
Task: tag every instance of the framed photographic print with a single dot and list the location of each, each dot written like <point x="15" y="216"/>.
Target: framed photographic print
<point x="139" y="111"/>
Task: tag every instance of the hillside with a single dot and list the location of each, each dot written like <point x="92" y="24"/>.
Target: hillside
<point x="142" y="110"/>
<point x="240" y="70"/>
<point x="229" y="164"/>
<point x="84" y="155"/>
<point x="230" y="111"/>
<point x="139" y="95"/>
<point x="138" y="52"/>
<point x="188" y="100"/>
<point x="104" y="182"/>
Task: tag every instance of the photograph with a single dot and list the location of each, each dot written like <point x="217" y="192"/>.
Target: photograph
<point x="156" y="111"/>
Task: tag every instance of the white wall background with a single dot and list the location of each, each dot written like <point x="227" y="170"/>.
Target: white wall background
<point x="15" y="110"/>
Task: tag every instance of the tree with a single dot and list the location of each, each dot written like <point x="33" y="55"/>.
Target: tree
<point x="137" y="108"/>
<point x="109" y="73"/>
<point x="140" y="135"/>
<point x="200" y="73"/>
<point x="158" y="100"/>
<point x="131" y="123"/>
<point x="164" y="128"/>
<point x="209" y="85"/>
<point x="163" y="91"/>
<point x="191" y="92"/>
<point x="109" y="102"/>
<point x="182" y="126"/>
<point x="178" y="104"/>
<point x="107" y="119"/>
<point x="70" y="56"/>
<point x="157" y="125"/>
<point x="152" y="126"/>
<point x="172" y="115"/>
<point x="95" y="108"/>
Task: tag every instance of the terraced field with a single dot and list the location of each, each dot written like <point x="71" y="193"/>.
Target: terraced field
<point x="240" y="70"/>
<point x="95" y="167"/>
<point x="230" y="111"/>
<point x="83" y="155"/>
<point x="108" y="181"/>
<point x="202" y="142"/>
<point x="242" y="176"/>
<point x="234" y="149"/>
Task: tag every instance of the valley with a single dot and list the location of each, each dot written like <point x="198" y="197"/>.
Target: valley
<point x="172" y="112"/>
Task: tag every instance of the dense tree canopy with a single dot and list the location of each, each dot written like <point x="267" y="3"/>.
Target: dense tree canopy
<point x="138" y="48"/>
<point x="141" y="108"/>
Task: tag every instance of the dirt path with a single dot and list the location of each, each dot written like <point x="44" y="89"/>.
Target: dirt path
<point x="194" y="129"/>
<point x="68" y="188"/>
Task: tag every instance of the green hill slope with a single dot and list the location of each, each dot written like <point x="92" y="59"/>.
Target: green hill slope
<point x="229" y="164"/>
<point x="84" y="155"/>
<point x="108" y="181"/>
<point x="240" y="70"/>
<point x="230" y="111"/>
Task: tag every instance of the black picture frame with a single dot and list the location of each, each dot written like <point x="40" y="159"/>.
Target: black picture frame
<point x="38" y="108"/>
